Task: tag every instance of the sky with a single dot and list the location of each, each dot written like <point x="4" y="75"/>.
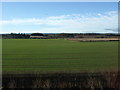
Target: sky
<point x="59" y="17"/>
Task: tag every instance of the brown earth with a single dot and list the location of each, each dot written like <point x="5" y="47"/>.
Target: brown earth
<point x="94" y="39"/>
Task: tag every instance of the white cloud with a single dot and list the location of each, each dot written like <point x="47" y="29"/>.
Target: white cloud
<point x="71" y="23"/>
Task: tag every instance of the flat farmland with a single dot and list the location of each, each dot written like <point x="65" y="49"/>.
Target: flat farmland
<point x="58" y="55"/>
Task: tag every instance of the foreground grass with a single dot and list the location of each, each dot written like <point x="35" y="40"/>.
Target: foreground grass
<point x="82" y="81"/>
<point x="58" y="55"/>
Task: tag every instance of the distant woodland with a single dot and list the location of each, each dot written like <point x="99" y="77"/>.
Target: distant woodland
<point x="58" y="35"/>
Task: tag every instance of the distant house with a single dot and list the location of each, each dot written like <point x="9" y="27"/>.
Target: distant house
<point x="37" y="36"/>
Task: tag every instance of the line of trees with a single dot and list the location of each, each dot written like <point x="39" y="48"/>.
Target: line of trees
<point x="59" y="35"/>
<point x="15" y="35"/>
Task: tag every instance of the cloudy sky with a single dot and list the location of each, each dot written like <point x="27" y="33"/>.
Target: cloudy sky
<point x="59" y="17"/>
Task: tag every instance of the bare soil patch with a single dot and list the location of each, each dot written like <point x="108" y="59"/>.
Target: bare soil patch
<point x="94" y="39"/>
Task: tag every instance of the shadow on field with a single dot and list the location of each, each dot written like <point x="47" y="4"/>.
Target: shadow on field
<point x="63" y="80"/>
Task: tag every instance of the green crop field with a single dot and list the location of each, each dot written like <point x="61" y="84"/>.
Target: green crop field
<point x="57" y="55"/>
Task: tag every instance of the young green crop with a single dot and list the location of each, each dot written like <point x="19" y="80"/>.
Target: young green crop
<point x="58" y="55"/>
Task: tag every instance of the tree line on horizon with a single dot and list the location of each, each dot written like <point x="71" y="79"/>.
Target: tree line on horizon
<point x="59" y="35"/>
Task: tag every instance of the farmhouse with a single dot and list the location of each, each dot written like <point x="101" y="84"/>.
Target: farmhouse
<point x="37" y="36"/>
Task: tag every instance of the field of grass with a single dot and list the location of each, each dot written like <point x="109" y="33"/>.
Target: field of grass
<point x="58" y="55"/>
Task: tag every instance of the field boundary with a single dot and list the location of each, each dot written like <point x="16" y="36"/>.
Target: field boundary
<point x="94" y="39"/>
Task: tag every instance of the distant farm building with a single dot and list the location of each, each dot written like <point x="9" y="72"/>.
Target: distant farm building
<point x="37" y="36"/>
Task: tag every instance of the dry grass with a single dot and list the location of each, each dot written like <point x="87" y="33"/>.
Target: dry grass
<point x="94" y="39"/>
<point x="64" y="80"/>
